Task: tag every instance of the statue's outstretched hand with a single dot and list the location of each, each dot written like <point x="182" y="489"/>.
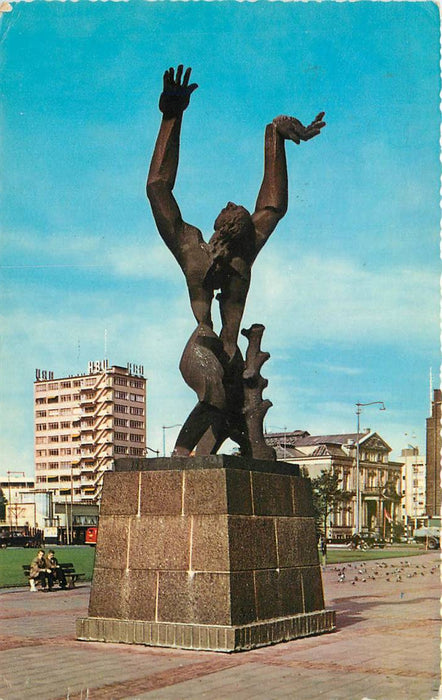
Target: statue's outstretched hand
<point x="291" y="128"/>
<point x="176" y="94"/>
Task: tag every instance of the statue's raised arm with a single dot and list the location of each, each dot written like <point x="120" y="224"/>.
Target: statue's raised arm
<point x="271" y="204"/>
<point x="174" y="100"/>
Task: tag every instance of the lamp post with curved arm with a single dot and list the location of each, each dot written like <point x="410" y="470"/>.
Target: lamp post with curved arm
<point x="166" y="427"/>
<point x="358" y="485"/>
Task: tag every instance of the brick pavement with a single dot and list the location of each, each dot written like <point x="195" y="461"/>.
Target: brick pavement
<point x="386" y="647"/>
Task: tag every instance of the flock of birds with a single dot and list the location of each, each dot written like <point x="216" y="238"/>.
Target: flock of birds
<point x="391" y="572"/>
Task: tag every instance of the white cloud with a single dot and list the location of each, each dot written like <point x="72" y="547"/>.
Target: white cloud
<point x="312" y="299"/>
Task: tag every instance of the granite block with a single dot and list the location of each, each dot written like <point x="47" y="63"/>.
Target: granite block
<point x="267" y="594"/>
<point x="239" y="492"/>
<point x="242" y="598"/>
<point x="205" y="492"/>
<point x="161" y="493"/>
<point x="313" y="591"/>
<point x="120" y="494"/>
<point x="291" y="600"/>
<point x="160" y="542"/>
<point x="296" y="542"/>
<point x="272" y="494"/>
<point x="174" y="599"/>
<point x="302" y="497"/>
<point x="113" y="542"/>
<point x="252" y="543"/>
<point x="127" y="464"/>
<point x="210" y="596"/>
<point x="210" y="543"/>
<point x="108" y="594"/>
<point x="141" y="600"/>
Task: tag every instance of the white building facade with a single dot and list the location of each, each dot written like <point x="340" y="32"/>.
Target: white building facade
<point x="413" y="506"/>
<point x="379" y="478"/>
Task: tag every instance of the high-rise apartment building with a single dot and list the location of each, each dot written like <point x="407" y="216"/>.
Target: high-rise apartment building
<point x="83" y="423"/>
<point x="434" y="490"/>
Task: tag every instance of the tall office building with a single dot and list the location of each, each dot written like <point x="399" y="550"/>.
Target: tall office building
<point x="83" y="423"/>
<point x="434" y="491"/>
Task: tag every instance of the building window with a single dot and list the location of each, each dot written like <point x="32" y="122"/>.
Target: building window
<point x="65" y="424"/>
<point x="40" y="401"/>
<point x="137" y="451"/>
<point x="52" y="399"/>
<point x="40" y="414"/>
<point x="53" y="426"/>
<point x="41" y="479"/>
<point x="119" y="408"/>
<point x="136" y="438"/>
<point x="121" y="395"/>
<point x="41" y="440"/>
<point x="136" y="383"/>
<point x="120" y="449"/>
<point x="137" y="397"/>
<point x="120" y="436"/>
<point x="65" y="397"/>
<point x="136" y="411"/>
<point x="40" y="387"/>
<point x="76" y="382"/>
<point x="65" y="385"/>
<point x="40" y="426"/>
<point x="137" y="424"/>
<point x="53" y="438"/>
<point x="120" y="381"/>
<point x="121" y="422"/>
<point x="53" y="453"/>
<point x="41" y="453"/>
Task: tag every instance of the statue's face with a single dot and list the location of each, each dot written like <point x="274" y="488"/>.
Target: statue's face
<point x="231" y="227"/>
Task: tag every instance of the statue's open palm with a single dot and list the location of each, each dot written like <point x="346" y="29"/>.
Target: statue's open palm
<point x="176" y="94"/>
<point x="292" y="129"/>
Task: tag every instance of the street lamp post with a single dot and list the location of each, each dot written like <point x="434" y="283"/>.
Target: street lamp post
<point x="166" y="427"/>
<point x="358" y="484"/>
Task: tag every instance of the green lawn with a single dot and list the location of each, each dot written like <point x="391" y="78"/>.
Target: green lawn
<point x="12" y="559"/>
<point x="340" y="556"/>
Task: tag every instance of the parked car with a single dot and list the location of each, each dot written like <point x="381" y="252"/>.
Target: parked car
<point x="430" y="536"/>
<point x="18" y="539"/>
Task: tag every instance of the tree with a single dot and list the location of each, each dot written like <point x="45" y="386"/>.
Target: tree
<point x="328" y="497"/>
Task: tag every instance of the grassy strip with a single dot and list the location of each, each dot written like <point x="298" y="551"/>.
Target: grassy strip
<point x="12" y="559"/>
<point x="340" y="556"/>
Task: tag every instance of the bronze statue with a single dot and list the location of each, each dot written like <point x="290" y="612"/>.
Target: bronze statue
<point x="212" y="364"/>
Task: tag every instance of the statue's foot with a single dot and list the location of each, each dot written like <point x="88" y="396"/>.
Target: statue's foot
<point x="180" y="452"/>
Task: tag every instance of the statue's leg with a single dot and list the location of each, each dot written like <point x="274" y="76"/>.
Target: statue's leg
<point x="204" y="419"/>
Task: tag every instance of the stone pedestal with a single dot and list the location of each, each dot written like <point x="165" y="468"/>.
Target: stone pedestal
<point x="215" y="553"/>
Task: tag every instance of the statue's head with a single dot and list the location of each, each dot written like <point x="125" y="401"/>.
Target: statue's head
<point x="233" y="227"/>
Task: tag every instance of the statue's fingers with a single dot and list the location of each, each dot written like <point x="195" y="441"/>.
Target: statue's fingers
<point x="310" y="134"/>
<point x="187" y="76"/>
<point x="192" y="87"/>
<point x="319" y="117"/>
<point x="179" y="74"/>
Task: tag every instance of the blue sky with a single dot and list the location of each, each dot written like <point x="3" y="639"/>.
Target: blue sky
<point x="347" y="286"/>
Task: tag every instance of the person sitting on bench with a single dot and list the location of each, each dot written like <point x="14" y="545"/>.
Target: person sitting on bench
<point x="39" y="573"/>
<point x="55" y="569"/>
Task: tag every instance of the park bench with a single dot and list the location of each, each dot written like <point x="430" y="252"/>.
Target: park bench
<point x="72" y="576"/>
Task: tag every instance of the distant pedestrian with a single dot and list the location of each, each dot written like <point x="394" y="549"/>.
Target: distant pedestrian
<point x="39" y="573"/>
<point x="323" y="546"/>
<point x="55" y="569"/>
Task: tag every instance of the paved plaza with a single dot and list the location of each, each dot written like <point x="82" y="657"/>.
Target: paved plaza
<point x="386" y="647"/>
